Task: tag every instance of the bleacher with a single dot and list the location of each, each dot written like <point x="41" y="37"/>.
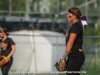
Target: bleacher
<point x="41" y="23"/>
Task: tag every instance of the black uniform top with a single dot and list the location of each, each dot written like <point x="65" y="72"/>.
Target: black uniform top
<point x="6" y="46"/>
<point x="76" y="28"/>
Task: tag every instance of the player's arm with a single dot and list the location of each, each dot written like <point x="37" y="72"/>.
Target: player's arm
<point x="71" y="41"/>
<point x="69" y="45"/>
<point x="12" y="51"/>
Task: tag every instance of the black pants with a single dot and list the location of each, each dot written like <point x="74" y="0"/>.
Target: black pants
<point x="5" y="68"/>
<point x="75" y="62"/>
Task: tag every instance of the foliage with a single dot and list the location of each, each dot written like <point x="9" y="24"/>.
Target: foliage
<point x="54" y="6"/>
<point x="4" y="4"/>
<point x="18" y="5"/>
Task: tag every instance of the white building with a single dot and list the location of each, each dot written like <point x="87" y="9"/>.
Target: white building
<point x="37" y="53"/>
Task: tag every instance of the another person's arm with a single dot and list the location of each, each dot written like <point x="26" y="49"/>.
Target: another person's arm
<point x="12" y="44"/>
<point x="12" y="51"/>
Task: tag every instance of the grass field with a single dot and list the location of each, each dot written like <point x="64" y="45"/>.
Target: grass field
<point x="91" y="70"/>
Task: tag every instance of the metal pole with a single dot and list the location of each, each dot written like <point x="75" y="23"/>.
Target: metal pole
<point x="38" y="5"/>
<point x="34" y="50"/>
<point x="53" y="20"/>
<point x="10" y="8"/>
<point x="99" y="10"/>
<point x="72" y="2"/>
<point x="86" y="8"/>
<point x="27" y="8"/>
<point x="57" y="6"/>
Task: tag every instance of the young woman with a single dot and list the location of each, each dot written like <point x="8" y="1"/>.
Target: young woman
<point x="7" y="46"/>
<point x="74" y="42"/>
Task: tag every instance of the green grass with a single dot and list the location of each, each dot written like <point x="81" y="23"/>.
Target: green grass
<point x="92" y="70"/>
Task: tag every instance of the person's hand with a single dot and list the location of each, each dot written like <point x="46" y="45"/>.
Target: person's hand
<point x="59" y="61"/>
<point x="61" y="64"/>
<point x="7" y="59"/>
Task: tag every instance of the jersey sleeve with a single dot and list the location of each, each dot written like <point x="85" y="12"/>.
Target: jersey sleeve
<point x="75" y="29"/>
<point x="11" y="42"/>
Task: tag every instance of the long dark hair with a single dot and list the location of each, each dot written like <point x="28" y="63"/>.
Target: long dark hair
<point x="76" y="11"/>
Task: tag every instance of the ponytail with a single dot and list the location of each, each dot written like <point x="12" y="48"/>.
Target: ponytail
<point x="83" y="21"/>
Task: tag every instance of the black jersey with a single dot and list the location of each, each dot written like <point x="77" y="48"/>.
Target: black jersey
<point x="6" y="46"/>
<point x="76" y="28"/>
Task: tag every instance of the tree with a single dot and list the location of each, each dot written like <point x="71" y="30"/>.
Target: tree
<point x="3" y="4"/>
<point x="16" y="5"/>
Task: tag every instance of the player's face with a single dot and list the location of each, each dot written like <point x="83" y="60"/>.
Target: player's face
<point x="2" y="34"/>
<point x="70" y="17"/>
